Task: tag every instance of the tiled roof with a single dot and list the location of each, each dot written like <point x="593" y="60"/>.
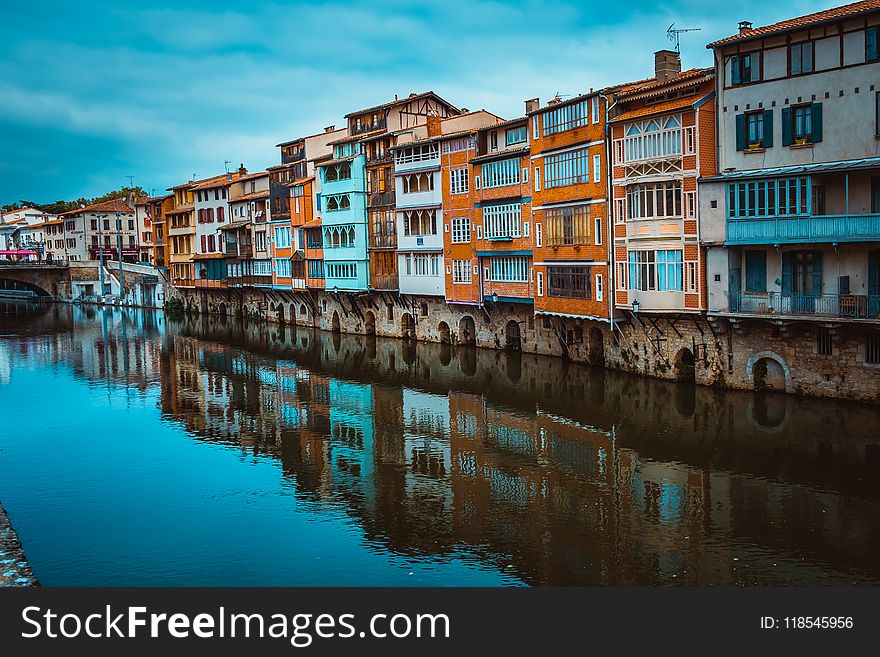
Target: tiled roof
<point x="401" y="101"/>
<point x="341" y="159"/>
<point x="222" y="180"/>
<point x="351" y="138"/>
<point x="846" y="11"/>
<point x="655" y="84"/>
<point x="115" y="205"/>
<point x="427" y="140"/>
<point x="519" y="150"/>
<point x="253" y="196"/>
<point x="502" y="124"/>
<point x="561" y="103"/>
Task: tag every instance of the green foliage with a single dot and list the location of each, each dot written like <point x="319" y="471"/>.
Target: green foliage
<point x="57" y="207"/>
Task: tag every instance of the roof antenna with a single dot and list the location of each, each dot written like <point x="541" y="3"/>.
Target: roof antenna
<point x="130" y="181"/>
<point x="675" y="35"/>
<point x="226" y="164"/>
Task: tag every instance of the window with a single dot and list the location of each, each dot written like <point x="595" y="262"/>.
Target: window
<point x="341" y="270"/>
<point x="94" y="224"/>
<point x="457" y="145"/>
<point x="877" y="114"/>
<point x="568" y="226"/>
<point x="802" y="124"/>
<point x="339" y="237"/>
<point x="566" y="118"/>
<point x="652" y="139"/>
<point x="418" y="182"/>
<point x="337" y="202"/>
<point x="422" y="152"/>
<point x="537" y="179"/>
<point x="800" y="58"/>
<point x="458" y="181"/>
<point x="282" y="267"/>
<point x="461" y="271"/>
<point x="536" y="127"/>
<point x="872" y="348"/>
<point x="502" y="221"/>
<point x="569" y="282"/>
<point x="690" y="273"/>
<point x="769" y="198"/>
<point x="824" y="346"/>
<point x="221" y="213"/>
<point x="754" y="130"/>
<point x="282" y="237"/>
<point x="461" y="230"/>
<point x="745" y="68"/>
<point x="315" y="268"/>
<point x="500" y="173"/>
<point x="212" y="245"/>
<point x="597" y="232"/>
<point x="494" y="140"/>
<point x="539" y="235"/>
<point x="516" y="136"/>
<point x="540" y="283"/>
<point x="655" y="271"/>
<point x="260" y="241"/>
<point x="594" y="105"/>
<point x="654" y="200"/>
<point x="872" y="36"/>
<point x="599" y="287"/>
<point x="422" y="264"/>
<point x="597" y="168"/>
<point x="509" y="269"/>
<point x="418" y="223"/>
<point x="566" y="168"/>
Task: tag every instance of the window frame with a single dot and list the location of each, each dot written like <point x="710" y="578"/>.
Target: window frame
<point x="800" y="45"/>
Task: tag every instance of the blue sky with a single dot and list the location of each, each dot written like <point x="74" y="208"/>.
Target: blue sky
<point x="93" y="92"/>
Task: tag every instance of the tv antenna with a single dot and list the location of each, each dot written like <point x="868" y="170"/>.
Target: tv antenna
<point x="130" y="181"/>
<point x="226" y="164"/>
<point x="675" y="35"/>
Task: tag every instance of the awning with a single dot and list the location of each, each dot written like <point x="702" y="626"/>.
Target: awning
<point x="572" y="316"/>
<point x="18" y="253"/>
<point x="817" y="167"/>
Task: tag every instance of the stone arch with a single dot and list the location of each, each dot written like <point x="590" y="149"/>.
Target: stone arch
<point x="407" y="326"/>
<point x="467" y="330"/>
<point x="684" y="365"/>
<point x="512" y="336"/>
<point x="15" y="288"/>
<point x="597" y="346"/>
<point x="335" y="325"/>
<point x="370" y="322"/>
<point x="445" y="333"/>
<point x="293" y="314"/>
<point x="302" y="310"/>
<point x="768" y="370"/>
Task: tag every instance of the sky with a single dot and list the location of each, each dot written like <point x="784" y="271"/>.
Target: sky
<point x="94" y="92"/>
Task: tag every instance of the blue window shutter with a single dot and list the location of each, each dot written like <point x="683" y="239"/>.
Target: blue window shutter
<point x="734" y="70"/>
<point x="817" y="273"/>
<point x="756" y="271"/>
<point x="817" y="122"/>
<point x="786" y="126"/>
<point x="874" y="272"/>
<point x="787" y="273"/>
<point x="768" y="128"/>
<point x="740" y="132"/>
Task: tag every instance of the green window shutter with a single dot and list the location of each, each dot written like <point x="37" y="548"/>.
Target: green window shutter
<point x="817" y="122"/>
<point x="817" y="273"/>
<point x="734" y="70"/>
<point x="756" y="271"/>
<point x="787" y="273"/>
<point x="768" y="128"/>
<point x="874" y="272"/>
<point x="740" y="132"/>
<point x="786" y="126"/>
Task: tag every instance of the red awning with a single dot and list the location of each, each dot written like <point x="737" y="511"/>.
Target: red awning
<point x="23" y="252"/>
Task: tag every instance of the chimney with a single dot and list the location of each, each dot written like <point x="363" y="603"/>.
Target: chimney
<point x="532" y="104"/>
<point x="330" y="128"/>
<point x="434" y="125"/>
<point x="744" y="26"/>
<point x="667" y="65"/>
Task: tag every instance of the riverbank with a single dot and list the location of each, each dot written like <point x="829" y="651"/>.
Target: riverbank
<point x="800" y="358"/>
<point x="14" y="567"/>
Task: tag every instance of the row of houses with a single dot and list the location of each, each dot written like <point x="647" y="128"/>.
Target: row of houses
<point x="719" y="223"/>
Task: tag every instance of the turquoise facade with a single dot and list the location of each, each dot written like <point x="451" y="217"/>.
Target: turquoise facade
<point x="344" y="222"/>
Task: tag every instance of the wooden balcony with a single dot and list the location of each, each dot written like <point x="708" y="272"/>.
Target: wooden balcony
<point x="384" y="282"/>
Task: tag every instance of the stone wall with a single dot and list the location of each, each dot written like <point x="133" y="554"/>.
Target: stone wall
<point x="684" y="347"/>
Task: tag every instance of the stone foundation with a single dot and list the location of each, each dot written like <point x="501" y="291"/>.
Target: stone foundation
<point x="744" y="355"/>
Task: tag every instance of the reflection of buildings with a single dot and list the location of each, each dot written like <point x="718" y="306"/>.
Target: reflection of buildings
<point x="551" y="475"/>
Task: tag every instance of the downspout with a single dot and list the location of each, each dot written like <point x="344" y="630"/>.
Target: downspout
<point x="612" y="285"/>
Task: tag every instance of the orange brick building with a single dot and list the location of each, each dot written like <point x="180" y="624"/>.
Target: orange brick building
<point x="663" y="140"/>
<point x="570" y="211"/>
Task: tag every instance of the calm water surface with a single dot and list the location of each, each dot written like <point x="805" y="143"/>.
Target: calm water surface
<point x="137" y="450"/>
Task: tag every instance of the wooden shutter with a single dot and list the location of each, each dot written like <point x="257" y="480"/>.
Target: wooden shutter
<point x="786" y="126"/>
<point x="817" y="273"/>
<point x="787" y="273"/>
<point x="768" y="128"/>
<point x="817" y="123"/>
<point x="740" y="132"/>
<point x="734" y="70"/>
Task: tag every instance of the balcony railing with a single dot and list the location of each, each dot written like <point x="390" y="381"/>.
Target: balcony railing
<point x="384" y="281"/>
<point x="239" y="250"/>
<point x="850" y="306"/>
<point x="381" y="199"/>
<point x="249" y="279"/>
<point x="210" y="283"/>
<point x="383" y="241"/>
<point x="368" y="127"/>
<point x="814" y="228"/>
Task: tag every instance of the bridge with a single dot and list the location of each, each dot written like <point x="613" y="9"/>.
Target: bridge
<point x="23" y="280"/>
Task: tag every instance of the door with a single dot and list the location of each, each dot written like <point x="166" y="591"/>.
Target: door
<point x="803" y="269"/>
<point x="874" y="284"/>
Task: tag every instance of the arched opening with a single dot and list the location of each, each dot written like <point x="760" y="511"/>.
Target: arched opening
<point x="407" y="326"/>
<point x="335" y="324"/>
<point x="768" y="374"/>
<point x="370" y="323"/>
<point x="467" y="331"/>
<point x="512" y="337"/>
<point x="597" y="347"/>
<point x="684" y="365"/>
<point x="293" y="314"/>
<point x="302" y="310"/>
<point x="445" y="333"/>
<point x="13" y="289"/>
<point x="279" y="312"/>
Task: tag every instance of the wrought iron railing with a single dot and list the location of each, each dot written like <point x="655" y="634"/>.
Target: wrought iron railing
<point x="852" y="306"/>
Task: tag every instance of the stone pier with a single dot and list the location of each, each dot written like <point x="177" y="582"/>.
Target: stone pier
<point x="14" y="567"/>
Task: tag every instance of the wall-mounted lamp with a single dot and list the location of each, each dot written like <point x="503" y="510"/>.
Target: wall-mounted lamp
<point x="635" y="306"/>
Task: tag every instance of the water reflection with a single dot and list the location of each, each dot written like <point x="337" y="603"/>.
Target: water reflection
<point x="548" y="472"/>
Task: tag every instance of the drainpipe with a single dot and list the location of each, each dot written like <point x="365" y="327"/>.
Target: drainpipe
<point x="612" y="285"/>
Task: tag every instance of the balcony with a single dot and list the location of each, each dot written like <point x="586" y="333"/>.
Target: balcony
<point x="837" y="306"/>
<point x="249" y="280"/>
<point x="384" y="282"/>
<point x="383" y="241"/>
<point x="234" y="250"/>
<point x="210" y="283"/>
<point x="381" y="199"/>
<point x="809" y="228"/>
<point x="381" y="124"/>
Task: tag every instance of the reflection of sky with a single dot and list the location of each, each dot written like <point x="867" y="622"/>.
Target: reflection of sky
<point x="134" y="500"/>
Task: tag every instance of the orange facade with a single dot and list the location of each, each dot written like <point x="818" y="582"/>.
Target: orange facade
<point x="569" y="207"/>
<point x="459" y="252"/>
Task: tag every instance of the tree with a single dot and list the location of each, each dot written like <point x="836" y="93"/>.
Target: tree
<point x="57" y="207"/>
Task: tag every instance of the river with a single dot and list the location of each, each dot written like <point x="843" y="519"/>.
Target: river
<point x="138" y="450"/>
